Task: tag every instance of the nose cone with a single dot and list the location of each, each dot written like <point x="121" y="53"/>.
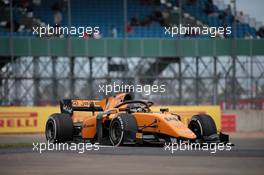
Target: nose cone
<point x="183" y="131"/>
<point x="170" y="125"/>
<point x="186" y="133"/>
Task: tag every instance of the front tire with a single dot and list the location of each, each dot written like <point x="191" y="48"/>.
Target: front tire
<point x="123" y="128"/>
<point x="203" y="127"/>
<point x="59" y="128"/>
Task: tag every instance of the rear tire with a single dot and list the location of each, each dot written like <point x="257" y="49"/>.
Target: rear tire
<point x="59" y="128"/>
<point x="123" y="128"/>
<point x="203" y="126"/>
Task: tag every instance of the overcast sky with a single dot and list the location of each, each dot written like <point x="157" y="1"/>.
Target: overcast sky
<point x="255" y="8"/>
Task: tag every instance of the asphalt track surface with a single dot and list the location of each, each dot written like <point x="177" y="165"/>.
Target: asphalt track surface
<point x="246" y="157"/>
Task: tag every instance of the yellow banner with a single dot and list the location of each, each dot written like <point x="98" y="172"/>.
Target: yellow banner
<point x="25" y="119"/>
<point x="33" y="119"/>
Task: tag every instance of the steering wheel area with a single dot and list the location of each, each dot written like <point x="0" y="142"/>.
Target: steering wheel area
<point x="136" y="105"/>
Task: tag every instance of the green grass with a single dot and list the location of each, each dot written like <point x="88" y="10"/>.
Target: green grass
<point x="15" y="145"/>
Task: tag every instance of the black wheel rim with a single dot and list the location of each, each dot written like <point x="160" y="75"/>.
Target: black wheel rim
<point x="116" y="132"/>
<point x="195" y="127"/>
<point x="50" y="131"/>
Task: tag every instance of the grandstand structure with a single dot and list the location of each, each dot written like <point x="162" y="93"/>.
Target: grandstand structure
<point x="132" y="48"/>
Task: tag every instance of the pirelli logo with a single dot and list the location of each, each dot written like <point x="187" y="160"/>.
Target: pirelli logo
<point x="18" y="119"/>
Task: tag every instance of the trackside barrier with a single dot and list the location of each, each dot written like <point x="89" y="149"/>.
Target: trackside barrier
<point x="248" y="120"/>
<point x="33" y="119"/>
<point x="228" y="122"/>
<point x="24" y="119"/>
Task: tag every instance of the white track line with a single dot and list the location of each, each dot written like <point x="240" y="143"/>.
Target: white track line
<point x="106" y="146"/>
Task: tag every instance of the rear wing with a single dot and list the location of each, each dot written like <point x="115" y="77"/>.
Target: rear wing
<point x="68" y="106"/>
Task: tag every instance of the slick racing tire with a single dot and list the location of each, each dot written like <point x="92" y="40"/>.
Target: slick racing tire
<point x="123" y="129"/>
<point x="203" y="127"/>
<point x="59" y="128"/>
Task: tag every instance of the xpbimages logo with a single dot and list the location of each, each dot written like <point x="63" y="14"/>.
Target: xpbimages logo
<point x="196" y="30"/>
<point x="64" y="30"/>
<point x="77" y="147"/>
<point x="145" y="89"/>
<point x="173" y="147"/>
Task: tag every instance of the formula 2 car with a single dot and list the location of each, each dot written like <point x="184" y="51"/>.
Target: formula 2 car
<point x="119" y="120"/>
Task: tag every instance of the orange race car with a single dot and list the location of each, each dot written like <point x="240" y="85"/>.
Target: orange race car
<point x="119" y="120"/>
